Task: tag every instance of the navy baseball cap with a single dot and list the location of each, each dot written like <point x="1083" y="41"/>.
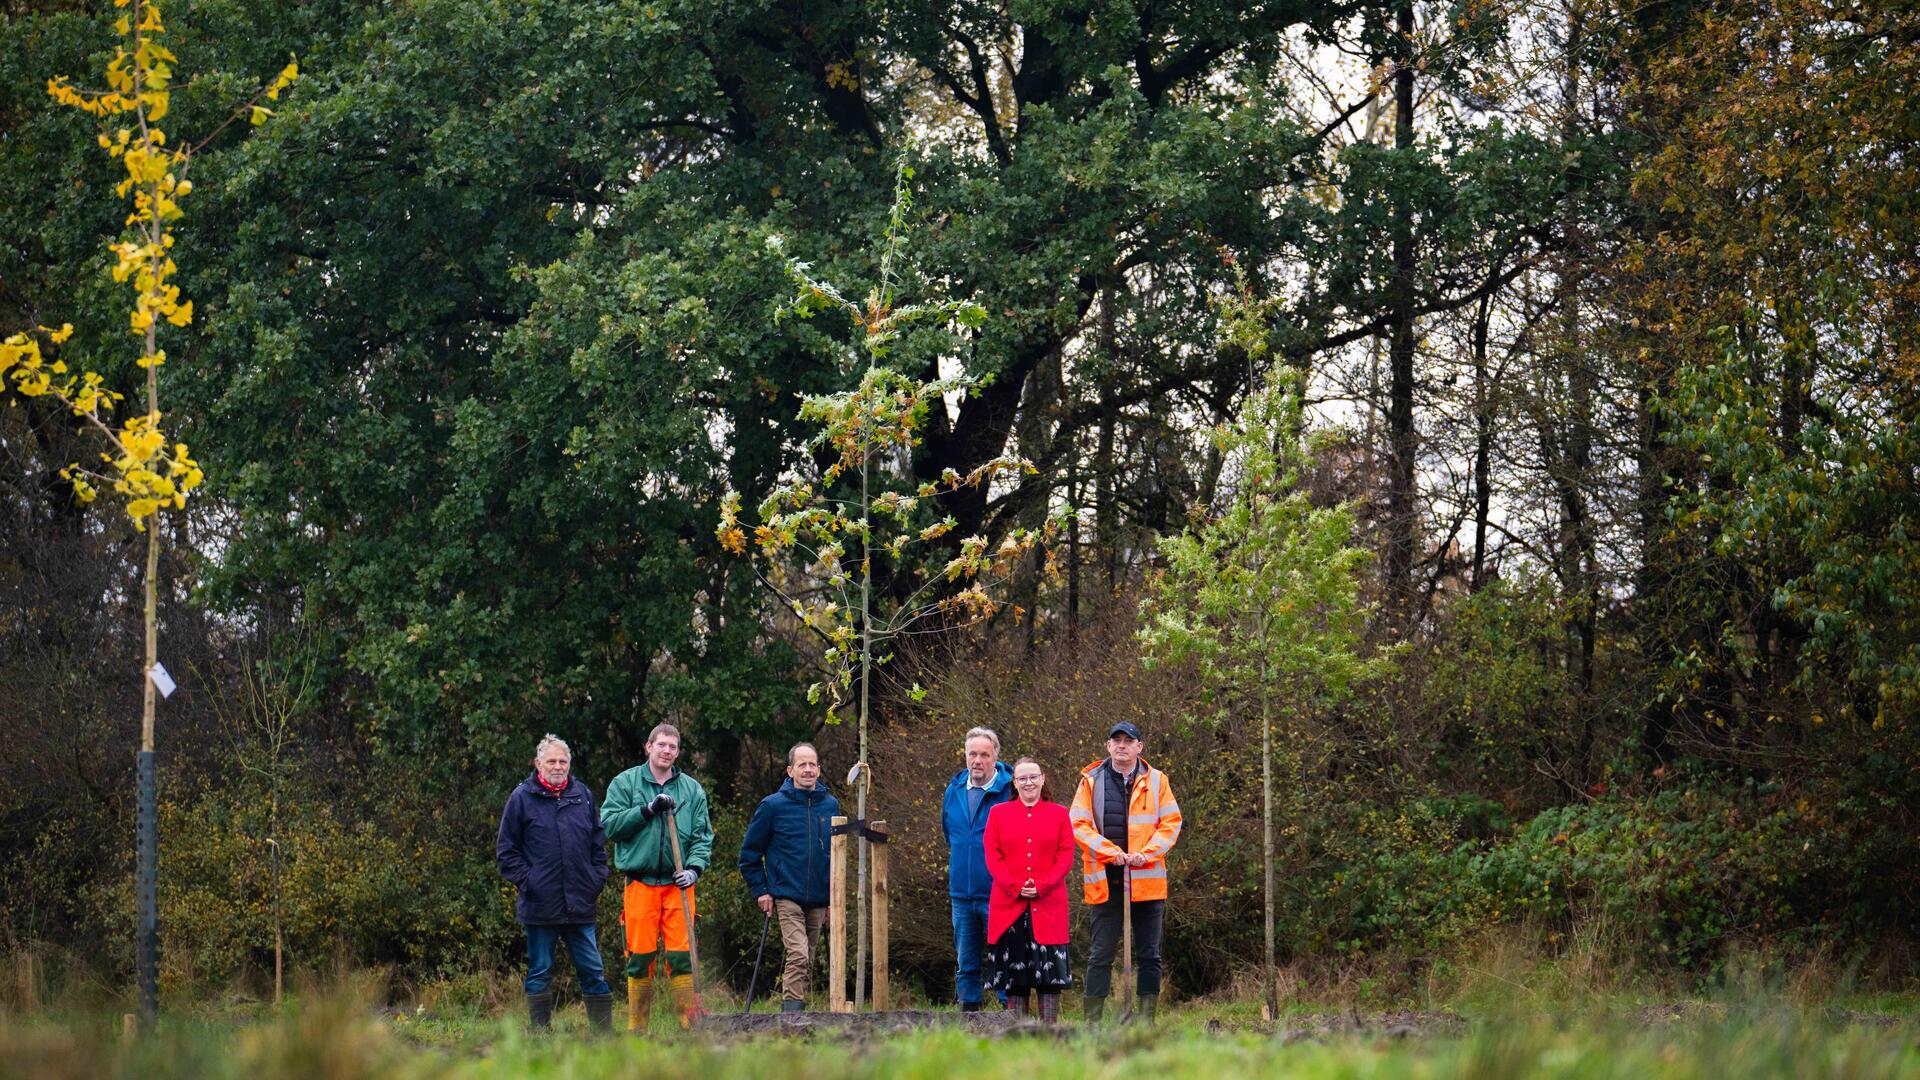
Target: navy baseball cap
<point x="1124" y="727"/>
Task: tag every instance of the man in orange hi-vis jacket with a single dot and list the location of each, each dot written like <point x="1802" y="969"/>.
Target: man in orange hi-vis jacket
<point x="1125" y="820"/>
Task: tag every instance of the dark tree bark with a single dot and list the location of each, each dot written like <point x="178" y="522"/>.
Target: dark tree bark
<point x="1482" y="440"/>
<point x="1401" y="440"/>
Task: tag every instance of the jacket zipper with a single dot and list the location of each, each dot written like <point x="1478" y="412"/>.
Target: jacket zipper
<point x="664" y="856"/>
<point x="560" y="839"/>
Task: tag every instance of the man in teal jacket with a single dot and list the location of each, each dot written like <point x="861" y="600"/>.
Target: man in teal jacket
<point x="641" y="805"/>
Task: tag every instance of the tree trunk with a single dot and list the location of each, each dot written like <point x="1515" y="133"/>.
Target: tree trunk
<point x="1482" y="439"/>
<point x="1073" y="549"/>
<point x="1045" y="389"/>
<point x="1400" y="390"/>
<point x="147" y="875"/>
<point x="1582" y="382"/>
<point x="1107" y="511"/>
<point x="866" y="684"/>
<point x="1266" y="837"/>
<point x="1654" y="576"/>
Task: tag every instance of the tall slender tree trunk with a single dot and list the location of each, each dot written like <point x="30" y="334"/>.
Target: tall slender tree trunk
<point x="866" y="684"/>
<point x="1107" y="511"/>
<point x="147" y="874"/>
<point x="1582" y="382"/>
<point x="1045" y="389"/>
<point x="279" y="936"/>
<point x="1266" y="835"/>
<point x="1658" y="625"/>
<point x="1400" y="390"/>
<point x="1073" y="548"/>
<point x="147" y="815"/>
<point x="1482" y="438"/>
<point x="1655" y="574"/>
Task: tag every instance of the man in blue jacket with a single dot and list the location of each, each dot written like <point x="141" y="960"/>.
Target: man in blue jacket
<point x="785" y="861"/>
<point x="552" y="848"/>
<point x="983" y="784"/>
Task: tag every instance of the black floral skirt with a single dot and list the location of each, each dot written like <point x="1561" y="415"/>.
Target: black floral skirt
<point x="1016" y="964"/>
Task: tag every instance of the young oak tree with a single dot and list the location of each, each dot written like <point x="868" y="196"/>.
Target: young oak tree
<point x="819" y="536"/>
<point x="136" y="460"/>
<point x="1264" y="597"/>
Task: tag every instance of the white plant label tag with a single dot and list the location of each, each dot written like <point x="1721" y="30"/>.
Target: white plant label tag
<point x="162" y="681"/>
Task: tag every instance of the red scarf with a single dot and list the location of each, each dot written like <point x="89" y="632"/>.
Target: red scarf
<point x="550" y="788"/>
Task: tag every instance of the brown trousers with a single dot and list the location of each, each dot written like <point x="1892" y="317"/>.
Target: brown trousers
<point x="800" y="935"/>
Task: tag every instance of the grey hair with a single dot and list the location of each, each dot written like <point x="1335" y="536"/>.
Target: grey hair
<point x="981" y="733"/>
<point x="550" y="739"/>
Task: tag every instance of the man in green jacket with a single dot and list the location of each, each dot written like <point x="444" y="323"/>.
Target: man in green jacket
<point x="641" y="805"/>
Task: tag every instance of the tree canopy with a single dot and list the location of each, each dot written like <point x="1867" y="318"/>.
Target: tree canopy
<point x="1601" y="315"/>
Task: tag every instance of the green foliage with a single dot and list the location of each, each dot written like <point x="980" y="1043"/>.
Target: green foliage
<point x="824" y="547"/>
<point x="1383" y="878"/>
<point x="1832" y="509"/>
<point x="1491" y="684"/>
<point x="1677" y="877"/>
<point x="1784" y="327"/>
<point x="1496" y="666"/>
<point x="1265" y="595"/>
<point x="1688" y="868"/>
<point x="380" y="884"/>
<point x="483" y="336"/>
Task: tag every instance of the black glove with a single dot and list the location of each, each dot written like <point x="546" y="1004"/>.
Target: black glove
<point x="686" y="878"/>
<point x="661" y="804"/>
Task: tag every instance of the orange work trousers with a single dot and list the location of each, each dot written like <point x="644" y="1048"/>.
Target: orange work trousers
<point x="653" y="918"/>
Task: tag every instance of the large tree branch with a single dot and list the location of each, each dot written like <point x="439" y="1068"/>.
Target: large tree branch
<point x="979" y="99"/>
<point x="734" y="90"/>
<point x="697" y="124"/>
<point x="983" y="99"/>
<point x="986" y="420"/>
<point x="845" y="105"/>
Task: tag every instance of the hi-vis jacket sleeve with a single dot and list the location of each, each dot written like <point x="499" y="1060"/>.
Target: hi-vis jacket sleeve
<point x="1167" y="830"/>
<point x="1085" y="832"/>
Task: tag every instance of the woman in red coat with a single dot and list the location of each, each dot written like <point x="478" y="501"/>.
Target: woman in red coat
<point x="1029" y="847"/>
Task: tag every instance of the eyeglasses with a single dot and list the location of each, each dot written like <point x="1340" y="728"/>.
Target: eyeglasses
<point x="1028" y="779"/>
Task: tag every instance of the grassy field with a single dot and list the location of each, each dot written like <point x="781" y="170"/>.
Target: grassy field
<point x="343" y="1036"/>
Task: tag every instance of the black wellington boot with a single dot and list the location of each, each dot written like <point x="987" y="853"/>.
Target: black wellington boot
<point x="600" y="1012"/>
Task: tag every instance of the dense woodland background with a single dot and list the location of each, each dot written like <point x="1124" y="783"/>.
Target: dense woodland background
<point x="1606" y="315"/>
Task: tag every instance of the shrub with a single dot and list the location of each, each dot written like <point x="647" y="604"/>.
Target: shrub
<point x="405" y="881"/>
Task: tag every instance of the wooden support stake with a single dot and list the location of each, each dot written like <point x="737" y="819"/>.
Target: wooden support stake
<point x="837" y="921"/>
<point x="879" y="857"/>
<point x="29" y="984"/>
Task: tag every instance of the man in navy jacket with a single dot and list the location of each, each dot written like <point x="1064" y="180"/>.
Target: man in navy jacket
<point x="785" y="861"/>
<point x="983" y="784"/>
<point x="554" y="851"/>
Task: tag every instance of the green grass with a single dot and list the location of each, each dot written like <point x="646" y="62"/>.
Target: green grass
<point x="341" y="1037"/>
